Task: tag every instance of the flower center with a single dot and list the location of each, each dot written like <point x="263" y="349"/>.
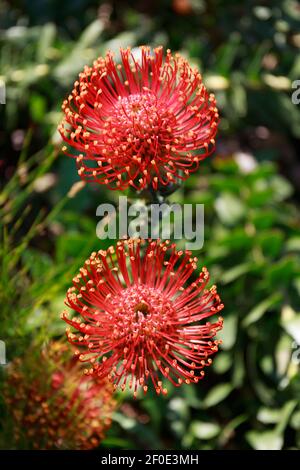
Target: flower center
<point x="141" y="124"/>
<point x="141" y="307"/>
<point x="141" y="311"/>
<point x="136" y="107"/>
<point x="141" y="105"/>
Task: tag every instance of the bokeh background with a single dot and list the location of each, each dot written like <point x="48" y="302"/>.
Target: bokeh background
<point x="248" y="53"/>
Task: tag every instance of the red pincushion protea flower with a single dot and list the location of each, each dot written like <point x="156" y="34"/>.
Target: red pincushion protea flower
<point x="53" y="405"/>
<point x="146" y="122"/>
<point x="138" y="319"/>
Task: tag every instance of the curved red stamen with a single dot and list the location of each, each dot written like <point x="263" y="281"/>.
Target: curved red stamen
<point x="141" y="319"/>
<point x="140" y="123"/>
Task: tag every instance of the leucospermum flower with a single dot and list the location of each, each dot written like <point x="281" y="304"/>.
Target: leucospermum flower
<point x="144" y="318"/>
<point x="143" y="122"/>
<point x="53" y="405"/>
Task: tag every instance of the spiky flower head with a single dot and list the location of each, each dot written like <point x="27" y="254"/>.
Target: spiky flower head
<point x="52" y="404"/>
<point x="145" y="122"/>
<point x="143" y="315"/>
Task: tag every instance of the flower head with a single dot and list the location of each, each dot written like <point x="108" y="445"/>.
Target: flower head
<point x="144" y="317"/>
<point x="147" y="121"/>
<point x="53" y="404"/>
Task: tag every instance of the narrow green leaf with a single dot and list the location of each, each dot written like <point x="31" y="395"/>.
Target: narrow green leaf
<point x="257" y="312"/>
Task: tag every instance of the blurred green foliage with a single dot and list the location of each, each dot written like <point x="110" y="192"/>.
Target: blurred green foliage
<point x="249" y="55"/>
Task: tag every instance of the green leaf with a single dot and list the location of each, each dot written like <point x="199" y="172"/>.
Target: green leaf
<point x="263" y="218"/>
<point x="281" y="272"/>
<point x="295" y="420"/>
<point x="239" y="99"/>
<point x="227" y="53"/>
<point x="257" y="312"/>
<point x="271" y="243"/>
<point x="37" y="106"/>
<point x="268" y="415"/>
<point x="46" y="39"/>
<point x="282" y="355"/>
<point x="179" y="406"/>
<point x="254" y="67"/>
<point x="237" y="239"/>
<point x="239" y="370"/>
<point x="235" y="272"/>
<point x="293" y="244"/>
<point x="286" y="413"/>
<point x="281" y="187"/>
<point x="124" y="421"/>
<point x="91" y="34"/>
<point x="230" y="209"/>
<point x="37" y="262"/>
<point x="204" y="431"/>
<point x="217" y="395"/>
<point x="229" y="331"/>
<point x="222" y="362"/>
<point x="117" y="442"/>
<point x="267" y="440"/>
<point x="228" y="431"/>
<point x="291" y="323"/>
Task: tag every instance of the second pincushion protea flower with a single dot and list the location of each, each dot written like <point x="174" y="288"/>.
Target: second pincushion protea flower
<point x="141" y="317"/>
<point x="146" y="122"/>
<point x="53" y="405"/>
